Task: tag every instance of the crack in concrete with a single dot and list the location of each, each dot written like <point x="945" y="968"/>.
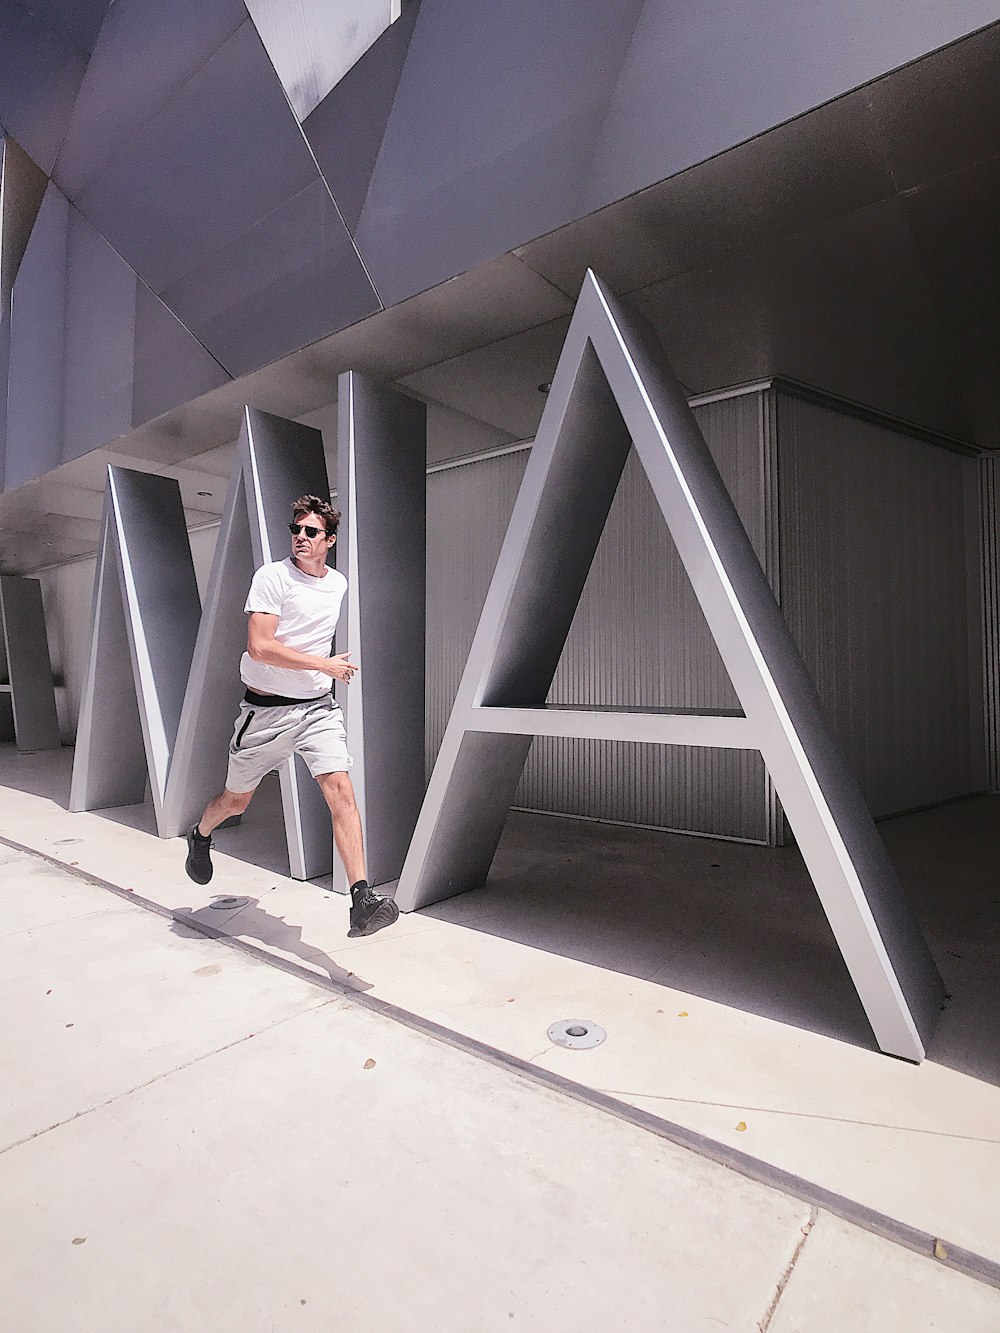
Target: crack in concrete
<point x="165" y="1074"/>
<point x="764" y="1323"/>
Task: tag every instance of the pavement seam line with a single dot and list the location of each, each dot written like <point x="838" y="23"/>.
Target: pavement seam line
<point x="159" y="1078"/>
<point x="937" y="1248"/>
<point x="765" y="1323"/>
<point x="61" y="921"/>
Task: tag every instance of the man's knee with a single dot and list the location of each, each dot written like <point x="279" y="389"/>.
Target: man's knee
<point x="237" y="801"/>
<point x="338" y="789"/>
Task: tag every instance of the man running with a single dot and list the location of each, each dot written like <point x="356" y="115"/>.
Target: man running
<point x="288" y="707"/>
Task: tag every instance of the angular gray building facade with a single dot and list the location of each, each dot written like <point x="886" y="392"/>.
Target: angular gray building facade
<point x="218" y="205"/>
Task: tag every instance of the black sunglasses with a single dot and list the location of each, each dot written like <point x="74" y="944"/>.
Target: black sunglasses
<point x="296" y="528"/>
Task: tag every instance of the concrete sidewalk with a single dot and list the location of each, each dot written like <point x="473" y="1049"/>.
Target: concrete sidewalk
<point x="192" y="1139"/>
<point x="730" y="1016"/>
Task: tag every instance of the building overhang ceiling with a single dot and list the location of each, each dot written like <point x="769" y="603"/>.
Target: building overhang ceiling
<point x="853" y="248"/>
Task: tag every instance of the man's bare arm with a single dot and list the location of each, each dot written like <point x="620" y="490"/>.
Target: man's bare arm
<point x="265" y="648"/>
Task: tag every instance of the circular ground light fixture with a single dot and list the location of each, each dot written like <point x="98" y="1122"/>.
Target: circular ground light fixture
<point x="577" y="1034"/>
<point x="229" y="904"/>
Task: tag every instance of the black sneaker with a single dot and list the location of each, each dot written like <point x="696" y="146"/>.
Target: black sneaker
<point x="369" y="910"/>
<point x="199" y="860"/>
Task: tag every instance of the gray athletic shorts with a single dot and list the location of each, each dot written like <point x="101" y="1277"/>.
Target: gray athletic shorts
<point x="264" y="737"/>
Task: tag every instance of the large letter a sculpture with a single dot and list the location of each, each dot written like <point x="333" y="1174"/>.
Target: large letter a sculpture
<point x="612" y="388"/>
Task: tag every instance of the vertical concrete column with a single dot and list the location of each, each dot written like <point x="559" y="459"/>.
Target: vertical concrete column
<point x="382" y="489"/>
<point x="25" y="668"/>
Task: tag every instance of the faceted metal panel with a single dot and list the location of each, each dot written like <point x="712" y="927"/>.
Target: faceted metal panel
<point x="745" y="72"/>
<point x="148" y="51"/>
<point x="381" y="486"/>
<point x="313" y="43"/>
<point x="22" y="188"/>
<point x="926" y="130"/>
<point x="34" y="404"/>
<point x="79" y="21"/>
<point x="440" y="201"/>
<point x="877" y="599"/>
<point x="286" y="460"/>
<point x="98" y="341"/>
<point x="827" y="163"/>
<point x="40" y="75"/>
<point x="345" y="130"/>
<point x="290" y="278"/>
<point x="612" y="385"/>
<point x="219" y="155"/>
<point x="171" y="365"/>
<point x="26" y="665"/>
<point x="581" y="117"/>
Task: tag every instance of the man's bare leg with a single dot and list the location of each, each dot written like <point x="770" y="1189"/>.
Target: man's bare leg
<point x="370" y="911"/>
<point x="199" y="840"/>
<point x="222" y="807"/>
<point x="338" y="791"/>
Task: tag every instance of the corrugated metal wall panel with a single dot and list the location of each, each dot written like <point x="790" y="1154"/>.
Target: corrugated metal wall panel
<point x="638" y="638"/>
<point x="875" y="579"/>
<point x="468" y="509"/>
<point x="990" y="509"/>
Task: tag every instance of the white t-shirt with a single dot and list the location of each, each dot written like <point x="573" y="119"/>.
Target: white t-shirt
<point x="307" y="609"/>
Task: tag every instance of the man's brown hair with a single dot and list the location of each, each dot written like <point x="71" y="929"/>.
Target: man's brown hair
<point x="312" y="504"/>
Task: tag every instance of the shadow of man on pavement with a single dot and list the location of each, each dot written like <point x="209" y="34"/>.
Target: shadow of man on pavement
<point x="252" y="922"/>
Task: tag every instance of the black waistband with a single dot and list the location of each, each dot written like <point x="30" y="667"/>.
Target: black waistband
<point x="279" y="700"/>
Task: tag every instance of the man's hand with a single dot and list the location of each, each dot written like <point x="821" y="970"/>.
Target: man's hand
<point x="340" y="669"/>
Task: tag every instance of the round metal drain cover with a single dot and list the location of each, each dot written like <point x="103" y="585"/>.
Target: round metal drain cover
<point x="578" y="1034"/>
<point x="228" y="904"/>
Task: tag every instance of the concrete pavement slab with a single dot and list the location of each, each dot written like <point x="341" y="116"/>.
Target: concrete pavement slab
<point x="41" y="899"/>
<point x="92" y="1007"/>
<point x="579" y="921"/>
<point x="848" y="1281"/>
<point x="339" y="1170"/>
